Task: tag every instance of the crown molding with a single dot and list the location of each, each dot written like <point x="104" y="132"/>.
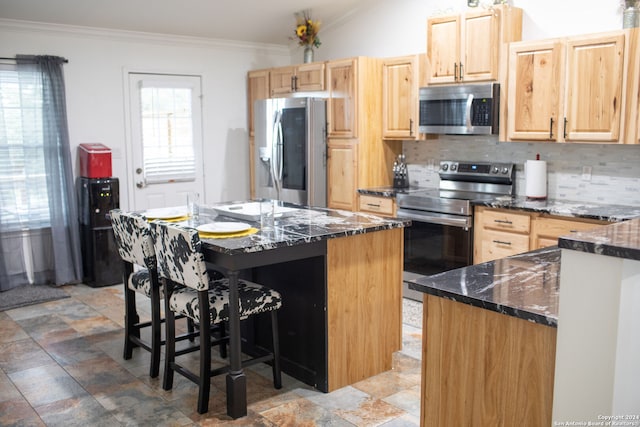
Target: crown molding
<point x="129" y="36"/>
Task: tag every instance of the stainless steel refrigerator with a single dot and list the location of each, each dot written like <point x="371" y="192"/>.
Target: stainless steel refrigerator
<point x="291" y="150"/>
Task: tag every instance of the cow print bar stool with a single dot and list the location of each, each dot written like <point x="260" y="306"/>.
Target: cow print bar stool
<point x="205" y="301"/>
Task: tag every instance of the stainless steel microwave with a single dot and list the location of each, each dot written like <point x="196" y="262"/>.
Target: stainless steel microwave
<point x="468" y="109"/>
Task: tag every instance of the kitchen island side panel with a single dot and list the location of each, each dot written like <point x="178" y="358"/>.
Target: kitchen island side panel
<point x="481" y="367"/>
<point x="364" y="308"/>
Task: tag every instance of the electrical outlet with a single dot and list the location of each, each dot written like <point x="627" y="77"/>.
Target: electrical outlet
<point x="586" y="173"/>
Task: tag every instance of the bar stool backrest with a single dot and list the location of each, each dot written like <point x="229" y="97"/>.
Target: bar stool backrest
<point x="133" y="236"/>
<point x="179" y="257"/>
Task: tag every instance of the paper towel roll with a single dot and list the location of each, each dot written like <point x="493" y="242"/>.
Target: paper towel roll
<point x="535" y="172"/>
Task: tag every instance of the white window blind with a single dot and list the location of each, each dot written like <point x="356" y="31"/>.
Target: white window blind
<point x="166" y="118"/>
<point x="23" y="181"/>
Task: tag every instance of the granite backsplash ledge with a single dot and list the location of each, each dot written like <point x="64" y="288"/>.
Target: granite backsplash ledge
<point x="615" y="169"/>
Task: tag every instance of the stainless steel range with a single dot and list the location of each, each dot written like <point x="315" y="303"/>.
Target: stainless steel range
<point x="441" y="234"/>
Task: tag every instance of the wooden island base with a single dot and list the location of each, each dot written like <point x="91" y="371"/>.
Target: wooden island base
<point x="483" y="368"/>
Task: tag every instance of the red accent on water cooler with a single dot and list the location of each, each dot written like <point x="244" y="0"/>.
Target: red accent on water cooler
<point x="95" y="160"/>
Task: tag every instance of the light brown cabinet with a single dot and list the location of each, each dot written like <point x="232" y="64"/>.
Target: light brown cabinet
<point x="342" y="166"/>
<point x="357" y="156"/>
<point x="342" y="109"/>
<point x="385" y="206"/>
<point x="567" y="89"/>
<point x="546" y="230"/>
<point x="499" y="233"/>
<point x="400" y="97"/>
<point x="482" y="368"/>
<point x="257" y="88"/>
<point x="467" y="47"/>
<point x="297" y="78"/>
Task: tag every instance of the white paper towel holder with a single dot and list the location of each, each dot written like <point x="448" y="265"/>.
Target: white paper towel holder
<point x="536" y="179"/>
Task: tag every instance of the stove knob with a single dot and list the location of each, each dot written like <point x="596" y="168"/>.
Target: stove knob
<point x="505" y="170"/>
<point x="495" y="169"/>
<point x="454" y="167"/>
<point x="445" y="166"/>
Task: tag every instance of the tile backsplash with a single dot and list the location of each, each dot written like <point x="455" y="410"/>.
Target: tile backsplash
<point x="614" y="177"/>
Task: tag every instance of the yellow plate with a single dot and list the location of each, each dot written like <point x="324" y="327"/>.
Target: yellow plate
<point x="205" y="235"/>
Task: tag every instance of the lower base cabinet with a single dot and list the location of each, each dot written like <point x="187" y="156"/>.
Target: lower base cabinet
<point x="482" y="368"/>
<point x="499" y="233"/>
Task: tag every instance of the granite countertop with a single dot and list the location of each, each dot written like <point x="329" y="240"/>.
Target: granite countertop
<point x="524" y="286"/>
<point x="604" y="212"/>
<point x="621" y="240"/>
<point x="306" y="225"/>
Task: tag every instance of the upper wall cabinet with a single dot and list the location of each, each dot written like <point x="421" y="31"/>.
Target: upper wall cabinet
<point x="298" y="78"/>
<point x="400" y="98"/>
<point x="567" y="90"/>
<point x="342" y="109"/>
<point x="467" y="47"/>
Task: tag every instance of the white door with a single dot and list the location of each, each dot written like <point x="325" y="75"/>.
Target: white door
<point x="166" y="139"/>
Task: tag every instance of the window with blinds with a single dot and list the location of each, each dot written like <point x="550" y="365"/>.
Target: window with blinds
<point x="23" y="182"/>
<point x="166" y="123"/>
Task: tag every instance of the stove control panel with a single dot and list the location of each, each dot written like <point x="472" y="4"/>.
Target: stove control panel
<point x="479" y="169"/>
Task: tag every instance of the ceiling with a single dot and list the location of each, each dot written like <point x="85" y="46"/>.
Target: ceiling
<point x="260" y="21"/>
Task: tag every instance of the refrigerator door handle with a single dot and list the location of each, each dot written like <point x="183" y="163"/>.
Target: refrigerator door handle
<point x="275" y="153"/>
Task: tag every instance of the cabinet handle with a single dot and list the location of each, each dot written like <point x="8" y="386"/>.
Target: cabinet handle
<point x="550" y="127"/>
<point x="503" y="221"/>
<point x="565" y="128"/>
<point x="455" y="71"/>
<point x="371" y="205"/>
<point x="411" y="127"/>
<point x="461" y="72"/>
<point x="500" y="242"/>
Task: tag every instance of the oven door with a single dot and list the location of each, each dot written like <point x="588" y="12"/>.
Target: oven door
<point x="434" y="243"/>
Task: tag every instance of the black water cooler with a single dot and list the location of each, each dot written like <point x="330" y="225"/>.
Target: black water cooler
<point x="101" y="262"/>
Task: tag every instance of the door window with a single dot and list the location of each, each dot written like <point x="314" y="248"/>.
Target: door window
<point x="166" y="138"/>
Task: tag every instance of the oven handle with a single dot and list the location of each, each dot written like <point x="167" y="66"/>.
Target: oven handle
<point x="441" y="219"/>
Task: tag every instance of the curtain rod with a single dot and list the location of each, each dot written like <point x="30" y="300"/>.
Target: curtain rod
<point x="6" y="58"/>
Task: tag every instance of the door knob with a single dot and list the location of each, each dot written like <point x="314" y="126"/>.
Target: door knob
<point x="140" y="184"/>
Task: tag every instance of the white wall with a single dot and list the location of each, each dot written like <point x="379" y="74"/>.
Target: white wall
<point x="95" y="91"/>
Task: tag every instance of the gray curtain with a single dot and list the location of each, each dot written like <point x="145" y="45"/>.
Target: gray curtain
<point x="54" y="250"/>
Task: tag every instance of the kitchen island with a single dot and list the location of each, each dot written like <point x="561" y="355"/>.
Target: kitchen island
<point x="489" y="338"/>
<point x="340" y="276"/>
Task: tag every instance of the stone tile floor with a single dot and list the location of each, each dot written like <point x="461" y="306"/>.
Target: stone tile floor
<point x="61" y="365"/>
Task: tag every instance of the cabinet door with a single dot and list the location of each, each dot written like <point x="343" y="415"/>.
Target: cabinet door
<point x="400" y="97"/>
<point x="257" y="88"/>
<point x="309" y="77"/>
<point x="594" y="87"/>
<point x="443" y="48"/>
<point x="341" y="174"/>
<point x="480" y="46"/>
<point x="534" y="88"/>
<point x="342" y="106"/>
<point x="281" y="80"/>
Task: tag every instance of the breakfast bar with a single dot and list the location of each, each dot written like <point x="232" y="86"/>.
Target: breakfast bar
<point x="340" y="276"/>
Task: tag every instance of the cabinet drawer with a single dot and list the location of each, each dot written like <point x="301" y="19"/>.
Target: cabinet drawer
<point x="497" y="244"/>
<point x="507" y="221"/>
<point x="378" y="205"/>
